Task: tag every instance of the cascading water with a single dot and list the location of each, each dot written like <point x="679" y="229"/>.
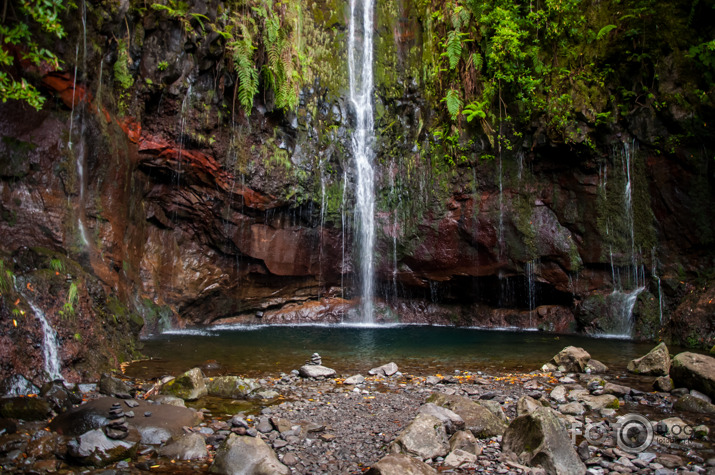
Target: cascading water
<point x="361" y="89"/>
<point x="626" y="288"/>
<point x="50" y="347"/>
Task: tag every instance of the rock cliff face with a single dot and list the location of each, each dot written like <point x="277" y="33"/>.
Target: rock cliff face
<point x="169" y="203"/>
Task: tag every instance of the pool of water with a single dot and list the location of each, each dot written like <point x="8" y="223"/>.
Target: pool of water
<point x="417" y="349"/>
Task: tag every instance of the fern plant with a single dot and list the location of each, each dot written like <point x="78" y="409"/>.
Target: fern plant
<point x="453" y="102"/>
<point x="242" y="55"/>
<point x="72" y="297"/>
<point x="57" y="265"/>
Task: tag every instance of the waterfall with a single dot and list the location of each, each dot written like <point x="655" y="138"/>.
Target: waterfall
<point x="50" y="347"/>
<point x="626" y="288"/>
<point x="361" y="87"/>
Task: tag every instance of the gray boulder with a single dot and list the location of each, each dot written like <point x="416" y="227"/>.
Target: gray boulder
<point x="494" y="407"/>
<point x="425" y="437"/>
<point x="664" y="384"/>
<point x="170" y="400"/>
<point x="526" y="405"/>
<point x="452" y="422"/>
<point x="231" y="387"/>
<point x="189" y="386"/>
<point x="477" y="418"/>
<point x="115" y="387"/>
<point x="244" y="455"/>
<point x="465" y="440"/>
<point x="617" y="389"/>
<point x="655" y="363"/>
<point x="400" y="464"/>
<point x="691" y="403"/>
<point x="694" y="371"/>
<point x="316" y="371"/>
<point x="571" y="359"/>
<point x="385" y="370"/>
<point x="187" y="447"/>
<point x="596" y="403"/>
<point x="595" y="367"/>
<point x="540" y="439"/>
<point x="95" y="448"/>
<point x="458" y="457"/>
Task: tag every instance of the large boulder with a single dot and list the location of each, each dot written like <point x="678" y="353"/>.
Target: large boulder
<point x="691" y="403"/>
<point x="316" y="371"/>
<point x="400" y="464"/>
<point x="95" y="448"/>
<point x="189" y="386"/>
<point x="232" y="387"/>
<point x="477" y="418"/>
<point x="452" y="421"/>
<point x="540" y="439"/>
<point x="465" y="441"/>
<point x="425" y="437"/>
<point x="25" y="408"/>
<point x="163" y="422"/>
<point x="186" y="447"/>
<point x="694" y="371"/>
<point x="655" y="363"/>
<point x="115" y="387"/>
<point x="244" y="455"/>
<point x="571" y="359"/>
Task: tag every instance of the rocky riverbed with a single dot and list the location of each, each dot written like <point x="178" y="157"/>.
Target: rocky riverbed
<point x="573" y="416"/>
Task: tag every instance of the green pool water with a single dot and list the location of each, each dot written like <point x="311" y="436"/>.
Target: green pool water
<point x="417" y="349"/>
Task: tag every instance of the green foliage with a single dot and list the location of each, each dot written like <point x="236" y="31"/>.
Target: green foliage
<point x="122" y="75"/>
<point x="16" y="31"/>
<point x="279" y="71"/>
<point x="604" y="31"/>
<point x="175" y="9"/>
<point x="563" y="64"/>
<point x="242" y="55"/>
<point x="162" y="65"/>
<point x="72" y="297"/>
<point x="453" y="48"/>
<point x="7" y="279"/>
<point x="454" y="103"/>
<point x="475" y="109"/>
<point x="57" y="265"/>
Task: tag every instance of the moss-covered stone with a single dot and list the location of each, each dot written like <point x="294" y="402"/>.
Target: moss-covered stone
<point x="189" y="386"/>
<point x="25" y="408"/>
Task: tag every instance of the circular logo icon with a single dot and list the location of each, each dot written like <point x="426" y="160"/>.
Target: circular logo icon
<point x="634" y="433"/>
<point x="596" y="434"/>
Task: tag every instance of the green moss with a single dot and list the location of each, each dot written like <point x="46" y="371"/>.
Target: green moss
<point x="614" y="404"/>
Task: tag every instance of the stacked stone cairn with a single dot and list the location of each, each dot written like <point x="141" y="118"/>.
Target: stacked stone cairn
<point x="315" y="359"/>
<point x="117" y="428"/>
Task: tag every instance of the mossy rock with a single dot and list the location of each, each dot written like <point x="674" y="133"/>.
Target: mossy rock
<point x="232" y="387"/>
<point x="188" y="386"/>
<point x="25" y="408"/>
